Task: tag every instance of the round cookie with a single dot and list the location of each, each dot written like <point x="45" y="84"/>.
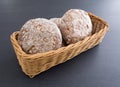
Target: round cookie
<point x="76" y="25"/>
<point x="57" y="21"/>
<point x="39" y="35"/>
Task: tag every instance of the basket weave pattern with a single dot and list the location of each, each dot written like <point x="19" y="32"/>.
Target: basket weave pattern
<point x="33" y="64"/>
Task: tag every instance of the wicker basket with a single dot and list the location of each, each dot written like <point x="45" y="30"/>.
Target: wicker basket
<point x="33" y="64"/>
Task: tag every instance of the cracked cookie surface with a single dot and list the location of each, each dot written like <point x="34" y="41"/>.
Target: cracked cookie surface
<point x="39" y="35"/>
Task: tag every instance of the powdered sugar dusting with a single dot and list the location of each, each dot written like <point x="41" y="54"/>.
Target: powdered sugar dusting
<point x="77" y="25"/>
<point x="39" y="35"/>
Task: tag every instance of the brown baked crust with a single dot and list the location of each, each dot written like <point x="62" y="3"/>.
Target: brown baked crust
<point x="75" y="25"/>
<point x="39" y="35"/>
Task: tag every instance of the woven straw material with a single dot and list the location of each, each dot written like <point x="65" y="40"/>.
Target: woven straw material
<point x="33" y="64"/>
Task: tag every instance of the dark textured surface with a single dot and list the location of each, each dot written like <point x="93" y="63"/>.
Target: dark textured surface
<point x="98" y="67"/>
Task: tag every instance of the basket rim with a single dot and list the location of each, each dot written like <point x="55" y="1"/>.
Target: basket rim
<point x="52" y="52"/>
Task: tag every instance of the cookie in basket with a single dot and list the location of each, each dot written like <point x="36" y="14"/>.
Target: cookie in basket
<point x="58" y="22"/>
<point x="39" y="35"/>
<point x="75" y="25"/>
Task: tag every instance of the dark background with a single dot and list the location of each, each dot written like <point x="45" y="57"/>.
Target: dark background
<point x="98" y="67"/>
